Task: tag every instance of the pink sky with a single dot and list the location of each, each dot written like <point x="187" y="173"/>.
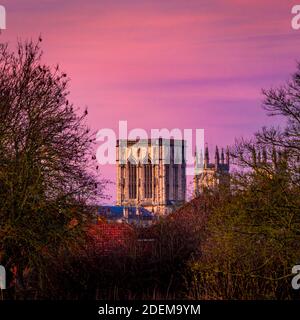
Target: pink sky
<point x="165" y="64"/>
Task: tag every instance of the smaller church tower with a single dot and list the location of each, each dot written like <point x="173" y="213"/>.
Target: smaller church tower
<point x="212" y="175"/>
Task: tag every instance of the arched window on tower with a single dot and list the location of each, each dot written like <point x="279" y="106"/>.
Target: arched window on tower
<point x="148" y="179"/>
<point x="175" y="182"/>
<point x="132" y="180"/>
<point x="167" y="181"/>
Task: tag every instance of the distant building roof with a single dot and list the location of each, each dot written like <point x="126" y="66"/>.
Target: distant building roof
<point x="117" y="213"/>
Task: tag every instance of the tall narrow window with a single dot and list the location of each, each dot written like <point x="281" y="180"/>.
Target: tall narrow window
<point x="132" y="181"/>
<point x="122" y="181"/>
<point x="175" y="182"/>
<point x="167" y="167"/>
<point x="148" y="180"/>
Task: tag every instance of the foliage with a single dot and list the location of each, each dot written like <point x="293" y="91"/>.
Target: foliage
<point x="252" y="239"/>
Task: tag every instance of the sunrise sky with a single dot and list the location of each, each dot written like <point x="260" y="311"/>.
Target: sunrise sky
<point x="172" y="64"/>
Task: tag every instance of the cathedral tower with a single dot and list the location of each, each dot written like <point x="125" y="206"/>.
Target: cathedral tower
<point x="210" y="175"/>
<point x="151" y="173"/>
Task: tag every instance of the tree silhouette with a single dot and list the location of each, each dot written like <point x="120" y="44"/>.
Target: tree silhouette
<point x="46" y="169"/>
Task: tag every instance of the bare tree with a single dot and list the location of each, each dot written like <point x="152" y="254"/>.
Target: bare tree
<point x="284" y="101"/>
<point x="46" y="162"/>
<point x="275" y="149"/>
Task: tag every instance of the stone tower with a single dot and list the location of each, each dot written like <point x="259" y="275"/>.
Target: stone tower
<point x="210" y="175"/>
<point x="151" y="173"/>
